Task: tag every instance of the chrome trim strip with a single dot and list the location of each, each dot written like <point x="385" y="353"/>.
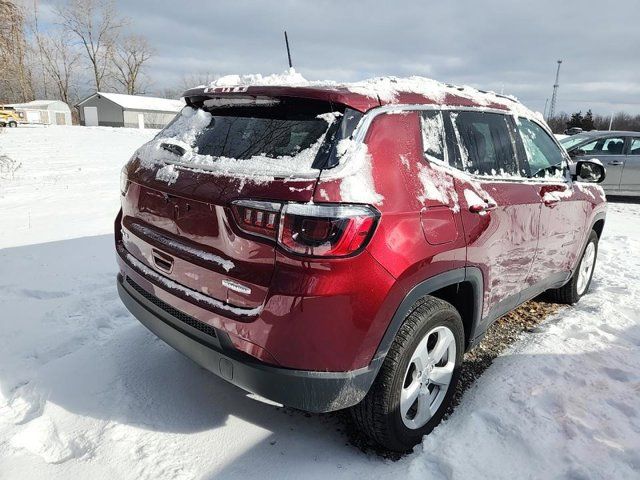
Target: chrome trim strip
<point x="236" y="287"/>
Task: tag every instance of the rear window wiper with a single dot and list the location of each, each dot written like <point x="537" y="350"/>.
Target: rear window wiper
<point x="173" y="148"/>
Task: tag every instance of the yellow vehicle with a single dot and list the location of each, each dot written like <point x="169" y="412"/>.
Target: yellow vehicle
<point x="9" y="117"/>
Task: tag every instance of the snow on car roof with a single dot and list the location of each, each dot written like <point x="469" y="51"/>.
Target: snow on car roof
<point x="140" y="102"/>
<point x="379" y="90"/>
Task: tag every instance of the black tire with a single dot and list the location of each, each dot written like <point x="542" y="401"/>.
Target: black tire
<point x="568" y="294"/>
<point x="378" y="416"/>
<point x="13" y="124"/>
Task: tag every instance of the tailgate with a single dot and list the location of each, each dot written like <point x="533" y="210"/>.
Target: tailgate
<point x="196" y="243"/>
<point x="177" y="216"/>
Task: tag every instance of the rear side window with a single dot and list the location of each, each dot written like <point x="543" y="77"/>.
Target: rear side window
<point x="604" y="146"/>
<point x="485" y="143"/>
<point x="543" y="156"/>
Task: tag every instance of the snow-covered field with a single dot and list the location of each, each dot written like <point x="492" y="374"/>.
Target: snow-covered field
<point x="87" y="392"/>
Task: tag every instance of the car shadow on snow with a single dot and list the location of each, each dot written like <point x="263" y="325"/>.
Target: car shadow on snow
<point x="77" y="347"/>
<point x="584" y="410"/>
<point x="619" y="199"/>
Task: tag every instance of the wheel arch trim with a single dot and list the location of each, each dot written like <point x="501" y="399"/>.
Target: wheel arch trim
<point x="472" y="275"/>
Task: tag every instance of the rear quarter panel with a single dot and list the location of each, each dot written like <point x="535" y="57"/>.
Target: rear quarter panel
<point x="399" y="172"/>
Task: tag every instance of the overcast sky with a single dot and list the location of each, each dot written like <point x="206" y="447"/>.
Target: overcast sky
<point x="491" y="44"/>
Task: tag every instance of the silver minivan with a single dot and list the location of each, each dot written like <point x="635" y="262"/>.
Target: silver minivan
<point x="619" y="151"/>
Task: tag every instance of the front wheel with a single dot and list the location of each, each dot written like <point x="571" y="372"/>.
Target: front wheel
<point x="417" y="379"/>
<point x="581" y="279"/>
<point x="13" y="124"/>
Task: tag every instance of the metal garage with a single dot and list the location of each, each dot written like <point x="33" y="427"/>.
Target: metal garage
<point x="119" y="110"/>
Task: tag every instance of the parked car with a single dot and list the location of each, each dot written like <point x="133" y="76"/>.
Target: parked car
<point x="9" y="117"/>
<point x="619" y="151"/>
<point x="573" y="131"/>
<point x="341" y="247"/>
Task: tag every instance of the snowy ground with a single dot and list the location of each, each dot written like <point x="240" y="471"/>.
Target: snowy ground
<point x="87" y="392"/>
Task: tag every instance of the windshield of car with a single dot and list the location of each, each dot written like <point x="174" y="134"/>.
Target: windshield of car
<point x="573" y="140"/>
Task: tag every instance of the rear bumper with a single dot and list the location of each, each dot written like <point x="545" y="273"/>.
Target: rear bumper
<point x="306" y="390"/>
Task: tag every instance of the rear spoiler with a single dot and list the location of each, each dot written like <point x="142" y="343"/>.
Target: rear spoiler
<point x="260" y="94"/>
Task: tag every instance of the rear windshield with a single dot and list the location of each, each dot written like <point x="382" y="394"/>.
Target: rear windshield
<point x="279" y="137"/>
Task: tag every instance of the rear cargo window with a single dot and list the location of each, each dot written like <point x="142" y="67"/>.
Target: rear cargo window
<point x="283" y="138"/>
<point x="246" y="137"/>
<point x="433" y="136"/>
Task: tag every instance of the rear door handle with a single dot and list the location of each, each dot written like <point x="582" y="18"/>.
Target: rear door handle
<point x="616" y="162"/>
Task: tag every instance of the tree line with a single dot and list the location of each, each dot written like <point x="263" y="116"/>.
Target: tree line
<point x="590" y="121"/>
<point x="88" y="46"/>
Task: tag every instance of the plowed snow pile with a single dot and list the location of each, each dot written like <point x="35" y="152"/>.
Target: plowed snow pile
<point x="87" y="392"/>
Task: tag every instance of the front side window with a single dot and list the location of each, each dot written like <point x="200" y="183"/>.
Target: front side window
<point x="635" y="146"/>
<point x="544" y="157"/>
<point x="604" y="146"/>
<point x="485" y="143"/>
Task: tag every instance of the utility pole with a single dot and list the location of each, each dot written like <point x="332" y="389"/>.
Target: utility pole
<point x="286" y="40"/>
<point x="554" y="97"/>
<point x="546" y="103"/>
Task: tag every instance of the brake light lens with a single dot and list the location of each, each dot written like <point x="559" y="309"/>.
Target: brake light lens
<point x="326" y="230"/>
<point x="257" y="217"/>
<point x="316" y="230"/>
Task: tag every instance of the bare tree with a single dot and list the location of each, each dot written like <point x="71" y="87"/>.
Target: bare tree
<point x="16" y="82"/>
<point x="130" y="55"/>
<point x="59" y="59"/>
<point x="60" y="63"/>
<point x="197" y="79"/>
<point x="186" y="82"/>
<point x="97" y="25"/>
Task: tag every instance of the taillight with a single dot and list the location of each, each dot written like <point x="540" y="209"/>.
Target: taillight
<point x="325" y="230"/>
<point x="307" y="228"/>
<point x="257" y="217"/>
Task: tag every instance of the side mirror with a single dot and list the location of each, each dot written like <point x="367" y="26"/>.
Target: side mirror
<point x="590" y="171"/>
<point x="578" y="152"/>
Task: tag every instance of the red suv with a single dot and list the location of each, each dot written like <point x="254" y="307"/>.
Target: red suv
<point x="342" y="246"/>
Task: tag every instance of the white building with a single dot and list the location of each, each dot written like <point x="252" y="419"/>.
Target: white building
<point x="118" y="110"/>
<point x="44" y="112"/>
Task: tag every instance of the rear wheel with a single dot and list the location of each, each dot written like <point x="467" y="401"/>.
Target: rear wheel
<point x="417" y="379"/>
<point x="581" y="279"/>
<point x="13" y="124"/>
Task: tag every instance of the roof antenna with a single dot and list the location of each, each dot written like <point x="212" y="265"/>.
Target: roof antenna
<point x="286" y="39"/>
